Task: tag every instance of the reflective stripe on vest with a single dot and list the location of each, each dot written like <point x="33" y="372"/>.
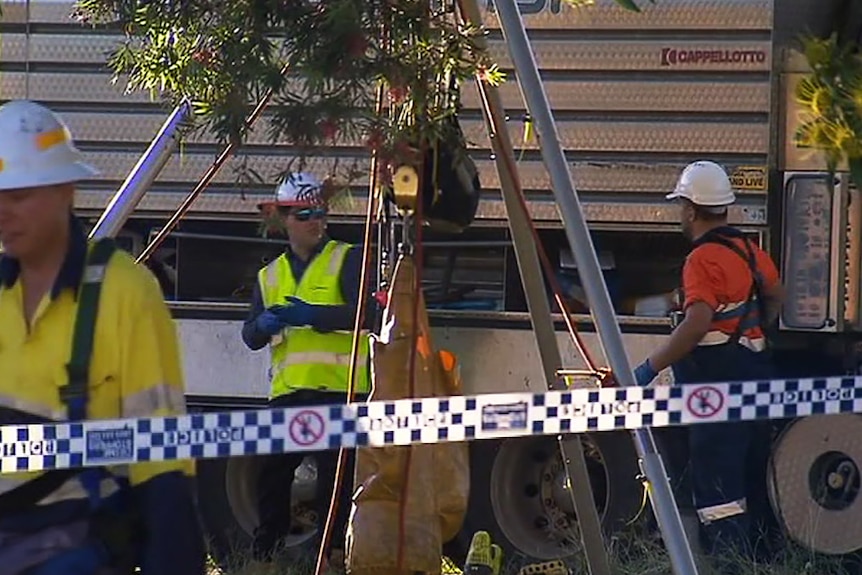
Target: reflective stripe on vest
<point x="303" y="358"/>
<point x="749" y="318"/>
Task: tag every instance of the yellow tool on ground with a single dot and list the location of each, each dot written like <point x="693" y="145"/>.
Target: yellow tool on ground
<point x="547" y="568"/>
<point x="484" y="558"/>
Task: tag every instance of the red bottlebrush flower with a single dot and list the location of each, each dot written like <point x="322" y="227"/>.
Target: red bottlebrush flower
<point x="384" y="175"/>
<point x="357" y="45"/>
<point x="204" y="56"/>
<point x="405" y="153"/>
<point x="397" y="94"/>
<point x="328" y="129"/>
<point x="375" y="140"/>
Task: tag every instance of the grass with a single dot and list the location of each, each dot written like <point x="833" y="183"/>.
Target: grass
<point x="631" y="554"/>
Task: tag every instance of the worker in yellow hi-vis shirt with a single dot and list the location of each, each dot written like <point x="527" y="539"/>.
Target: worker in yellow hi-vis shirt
<point x="85" y="335"/>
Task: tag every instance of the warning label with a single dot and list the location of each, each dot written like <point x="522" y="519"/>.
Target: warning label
<point x="749" y="178"/>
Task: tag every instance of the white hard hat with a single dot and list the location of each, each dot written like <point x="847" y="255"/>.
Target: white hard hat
<point x="36" y="148"/>
<point x="704" y="184"/>
<point x="300" y="189"/>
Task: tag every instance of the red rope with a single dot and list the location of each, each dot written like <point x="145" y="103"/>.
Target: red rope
<point x="354" y="347"/>
<point x="414" y="336"/>
<point x="603" y="373"/>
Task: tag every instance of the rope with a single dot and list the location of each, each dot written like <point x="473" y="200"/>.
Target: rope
<point x="417" y="290"/>
<point x="602" y="373"/>
<point x="206" y="178"/>
<point x="373" y="198"/>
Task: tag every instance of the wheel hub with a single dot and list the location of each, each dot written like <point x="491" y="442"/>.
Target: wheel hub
<point x="531" y="497"/>
<point x="834" y="480"/>
<point x="241" y="486"/>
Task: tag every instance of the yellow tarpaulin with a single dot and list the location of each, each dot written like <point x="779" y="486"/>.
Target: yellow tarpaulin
<point x="429" y="483"/>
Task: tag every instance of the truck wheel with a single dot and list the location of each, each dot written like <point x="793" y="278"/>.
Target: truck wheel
<point x="227" y="491"/>
<point x="518" y="494"/>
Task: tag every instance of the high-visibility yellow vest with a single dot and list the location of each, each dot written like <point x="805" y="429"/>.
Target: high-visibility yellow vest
<point x="303" y="358"/>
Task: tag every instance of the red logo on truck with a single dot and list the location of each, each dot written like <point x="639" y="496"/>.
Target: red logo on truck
<point x="674" y="56"/>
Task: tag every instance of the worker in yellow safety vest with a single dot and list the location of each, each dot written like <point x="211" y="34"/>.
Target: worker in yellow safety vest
<point x="85" y="334"/>
<point x="304" y="307"/>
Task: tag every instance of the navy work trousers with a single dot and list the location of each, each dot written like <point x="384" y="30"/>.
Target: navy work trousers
<point x="276" y="480"/>
<point x="728" y="461"/>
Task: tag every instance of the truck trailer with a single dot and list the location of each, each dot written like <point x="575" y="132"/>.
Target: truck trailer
<point x="636" y="96"/>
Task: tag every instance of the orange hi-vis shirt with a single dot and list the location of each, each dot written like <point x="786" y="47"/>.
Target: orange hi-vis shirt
<point x="719" y="277"/>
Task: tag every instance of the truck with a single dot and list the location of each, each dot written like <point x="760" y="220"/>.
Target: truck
<point x="635" y="96"/>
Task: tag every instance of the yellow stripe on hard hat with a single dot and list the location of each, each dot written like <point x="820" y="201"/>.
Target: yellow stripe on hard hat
<point x="50" y="139"/>
<point x="1" y="164"/>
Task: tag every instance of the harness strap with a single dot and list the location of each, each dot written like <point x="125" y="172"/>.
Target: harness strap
<point x="22" y="498"/>
<point x="754" y="294"/>
<point x="75" y="394"/>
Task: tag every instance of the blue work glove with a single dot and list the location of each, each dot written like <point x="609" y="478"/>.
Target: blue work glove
<point x="270" y="322"/>
<point x="297" y="312"/>
<point x="644" y="374"/>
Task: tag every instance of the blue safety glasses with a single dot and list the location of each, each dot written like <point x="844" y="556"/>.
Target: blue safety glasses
<point x="306" y="214"/>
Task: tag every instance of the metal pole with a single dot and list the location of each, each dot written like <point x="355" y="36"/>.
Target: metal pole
<point x="207" y="177"/>
<point x="142" y="175"/>
<point x="601" y="309"/>
<point x="532" y="280"/>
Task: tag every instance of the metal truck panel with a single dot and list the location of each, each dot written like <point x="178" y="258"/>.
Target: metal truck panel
<point x="542" y="14"/>
<point x="672" y="15"/>
<point x="63" y="87"/>
<point x="553" y="54"/>
<point x="633" y="106"/>
<point x="591" y="177"/>
<point x="637" y="96"/>
<point x="643" y="56"/>
<point x="675" y="137"/>
<point x="743" y="97"/>
<point x="748" y="211"/>
<point x="216" y="362"/>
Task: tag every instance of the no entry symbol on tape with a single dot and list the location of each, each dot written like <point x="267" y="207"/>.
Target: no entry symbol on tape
<point x="705" y="401"/>
<point x="306" y="427"/>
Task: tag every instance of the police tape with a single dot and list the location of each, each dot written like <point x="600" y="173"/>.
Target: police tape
<point x="416" y="421"/>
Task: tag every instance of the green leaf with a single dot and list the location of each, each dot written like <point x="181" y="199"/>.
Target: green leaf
<point x="629" y="5"/>
<point x="830" y="95"/>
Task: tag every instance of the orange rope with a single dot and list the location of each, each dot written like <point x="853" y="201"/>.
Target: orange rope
<point x="373" y="198"/>
<point x="603" y="373"/>
<point x="205" y="180"/>
<point x="414" y="337"/>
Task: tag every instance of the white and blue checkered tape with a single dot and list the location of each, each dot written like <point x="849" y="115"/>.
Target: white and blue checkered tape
<point x="411" y="421"/>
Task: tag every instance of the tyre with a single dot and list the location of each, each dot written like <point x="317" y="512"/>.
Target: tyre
<point x="518" y="494"/>
<point x="227" y="491"/>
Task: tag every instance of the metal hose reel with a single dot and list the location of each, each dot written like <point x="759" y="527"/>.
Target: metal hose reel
<point x="814" y="482"/>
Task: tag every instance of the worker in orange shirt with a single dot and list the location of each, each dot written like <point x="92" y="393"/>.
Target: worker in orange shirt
<point x="731" y="291"/>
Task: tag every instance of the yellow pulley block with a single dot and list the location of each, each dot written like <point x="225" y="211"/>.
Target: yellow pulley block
<point x="405" y="187"/>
